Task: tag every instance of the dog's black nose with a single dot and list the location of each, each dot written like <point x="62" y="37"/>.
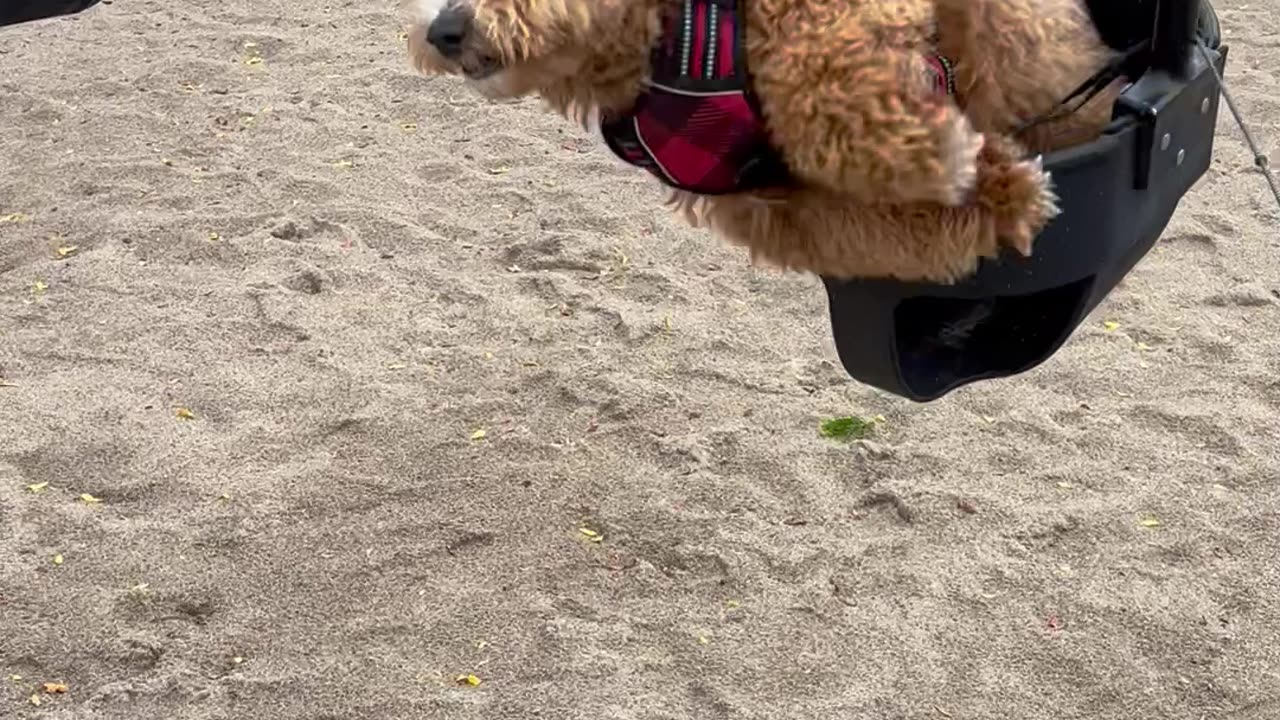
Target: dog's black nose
<point x="449" y="30"/>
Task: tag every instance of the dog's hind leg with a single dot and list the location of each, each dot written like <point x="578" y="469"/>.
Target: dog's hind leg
<point x="846" y="93"/>
<point x="871" y="129"/>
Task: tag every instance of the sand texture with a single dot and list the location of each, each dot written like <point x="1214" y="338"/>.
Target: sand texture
<point x="424" y="341"/>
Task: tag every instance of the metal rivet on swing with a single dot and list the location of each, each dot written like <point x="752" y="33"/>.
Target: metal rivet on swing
<point x="1204" y="106"/>
<point x="1164" y="141"/>
<point x="1182" y="155"/>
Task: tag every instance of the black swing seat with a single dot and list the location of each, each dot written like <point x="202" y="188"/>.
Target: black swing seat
<point x="922" y="341"/>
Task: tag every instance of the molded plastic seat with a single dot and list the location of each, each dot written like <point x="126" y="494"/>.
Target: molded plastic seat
<point x="1117" y="194"/>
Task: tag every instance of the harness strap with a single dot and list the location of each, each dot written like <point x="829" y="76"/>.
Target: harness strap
<point x="941" y="74"/>
<point x="702" y="41"/>
<point x="697" y="126"/>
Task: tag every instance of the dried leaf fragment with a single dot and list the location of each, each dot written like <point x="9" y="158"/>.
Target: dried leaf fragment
<point x="57" y="559"/>
<point x="185" y="414"/>
<point x="591" y="535"/>
<point x="253" y="61"/>
<point x="67" y="251"/>
<point x="1149" y="522"/>
<point x="54" y="688"/>
<point x="88" y="499"/>
<point x="1110" y="325"/>
<point x="37" y="488"/>
<point x="471" y="680"/>
<point x="479" y="434"/>
<point x="14" y="218"/>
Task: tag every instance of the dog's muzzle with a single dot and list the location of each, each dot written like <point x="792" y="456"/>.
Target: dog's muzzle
<point x="448" y="32"/>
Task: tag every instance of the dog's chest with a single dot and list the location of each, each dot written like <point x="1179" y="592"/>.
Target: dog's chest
<point x="697" y="127"/>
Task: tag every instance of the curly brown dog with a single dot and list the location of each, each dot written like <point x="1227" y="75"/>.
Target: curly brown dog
<point x="881" y="172"/>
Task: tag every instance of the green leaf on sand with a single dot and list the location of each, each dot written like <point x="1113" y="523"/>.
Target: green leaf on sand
<point x="849" y="427"/>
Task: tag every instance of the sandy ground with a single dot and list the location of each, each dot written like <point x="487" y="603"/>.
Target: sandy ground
<point x="345" y="272"/>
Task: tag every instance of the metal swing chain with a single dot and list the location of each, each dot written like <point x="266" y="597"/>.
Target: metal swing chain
<point x="1259" y="158"/>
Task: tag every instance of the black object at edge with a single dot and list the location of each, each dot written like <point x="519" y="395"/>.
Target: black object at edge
<point x="13" y="12"/>
<point x="922" y="341"/>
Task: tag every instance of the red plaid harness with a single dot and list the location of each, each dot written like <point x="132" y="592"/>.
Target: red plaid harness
<point x="698" y="126"/>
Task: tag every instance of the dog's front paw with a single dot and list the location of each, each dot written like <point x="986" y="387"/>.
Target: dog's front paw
<point x="1020" y="196"/>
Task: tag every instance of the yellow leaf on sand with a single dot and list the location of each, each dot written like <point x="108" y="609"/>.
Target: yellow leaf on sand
<point x="35" y="700"/>
<point x="39" y="286"/>
<point x="57" y="559"/>
<point x="1149" y="522"/>
<point x="343" y="164"/>
<point x="15" y="678"/>
<point x="409" y="126"/>
<point x="13" y="218"/>
<point x="185" y="414"/>
<point x="590" y="534"/>
<point x="67" y="251"/>
<point x="1110" y="325"/>
<point x="88" y="499"/>
<point x="471" y="680"/>
<point x="1065" y="485"/>
<point x="37" y="488"/>
<point x="253" y="61"/>
<point x="499" y="170"/>
<point x="54" y="688"/>
<point x="479" y="434"/>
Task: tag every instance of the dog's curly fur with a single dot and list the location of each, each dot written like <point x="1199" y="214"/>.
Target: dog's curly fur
<point x="890" y="179"/>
